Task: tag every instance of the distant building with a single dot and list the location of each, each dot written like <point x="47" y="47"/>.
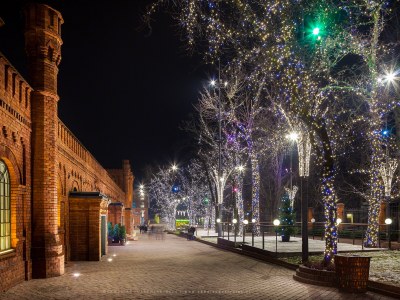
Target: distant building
<point x="55" y="198"/>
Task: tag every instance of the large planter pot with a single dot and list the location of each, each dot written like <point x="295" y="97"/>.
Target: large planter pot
<point x="285" y="238"/>
<point x="352" y="273"/>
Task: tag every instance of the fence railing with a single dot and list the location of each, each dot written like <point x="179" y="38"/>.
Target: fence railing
<point x="351" y="233"/>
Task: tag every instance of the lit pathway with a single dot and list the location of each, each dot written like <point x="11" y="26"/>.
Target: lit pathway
<point x="174" y="268"/>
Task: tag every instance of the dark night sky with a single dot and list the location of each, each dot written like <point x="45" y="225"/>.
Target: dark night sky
<point x="123" y="93"/>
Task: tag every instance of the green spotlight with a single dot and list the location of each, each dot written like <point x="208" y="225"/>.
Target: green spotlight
<point x="315" y="31"/>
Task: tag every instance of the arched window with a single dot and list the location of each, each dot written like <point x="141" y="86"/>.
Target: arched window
<point x="5" y="208"/>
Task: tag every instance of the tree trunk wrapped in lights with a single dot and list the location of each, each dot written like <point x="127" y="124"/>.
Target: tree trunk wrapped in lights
<point x="239" y="202"/>
<point x="325" y="153"/>
<point x="255" y="192"/>
<point x="304" y="149"/>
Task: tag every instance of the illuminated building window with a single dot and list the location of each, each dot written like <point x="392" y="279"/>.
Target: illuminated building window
<point x="5" y="208"/>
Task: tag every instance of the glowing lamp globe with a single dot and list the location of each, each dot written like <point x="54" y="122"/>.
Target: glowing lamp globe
<point x="388" y="221"/>
<point x="253" y="220"/>
<point x="218" y="220"/>
<point x="234" y="221"/>
<point x="338" y="221"/>
<point x="277" y="222"/>
<point x="245" y="222"/>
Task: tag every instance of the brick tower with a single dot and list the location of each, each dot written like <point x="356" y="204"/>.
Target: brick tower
<point x="128" y="179"/>
<point x="43" y="47"/>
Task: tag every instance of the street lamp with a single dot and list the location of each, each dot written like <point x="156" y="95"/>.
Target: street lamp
<point x="234" y="221"/>
<point x="276" y="224"/>
<point x="142" y="206"/>
<point x="304" y="150"/>
<point x="312" y="224"/>
<point x="388" y="222"/>
<point x="220" y="177"/>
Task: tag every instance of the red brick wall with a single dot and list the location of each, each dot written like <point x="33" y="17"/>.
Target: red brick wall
<point x="33" y="133"/>
<point x="15" y="151"/>
<point x="43" y="48"/>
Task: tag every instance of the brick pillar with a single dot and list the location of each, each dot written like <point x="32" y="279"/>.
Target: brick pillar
<point x="43" y="47"/>
<point x="310" y="215"/>
<point x="86" y="234"/>
<point x="115" y="213"/>
<point x="129" y="221"/>
<point x="128" y="189"/>
<point x="340" y="211"/>
<point x="382" y="212"/>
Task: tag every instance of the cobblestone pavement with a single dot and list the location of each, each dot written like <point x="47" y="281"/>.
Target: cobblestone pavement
<point x="174" y="268"/>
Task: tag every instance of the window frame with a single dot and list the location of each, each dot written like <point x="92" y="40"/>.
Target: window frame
<point x="5" y="208"/>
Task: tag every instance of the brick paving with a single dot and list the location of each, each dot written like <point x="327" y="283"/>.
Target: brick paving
<point x="174" y="268"/>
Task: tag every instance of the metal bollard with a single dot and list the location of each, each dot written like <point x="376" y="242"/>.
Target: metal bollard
<point x="263" y="239"/>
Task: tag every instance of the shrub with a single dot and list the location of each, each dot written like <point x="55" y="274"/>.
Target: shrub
<point x="116" y="232"/>
<point x="110" y="230"/>
<point x="287" y="217"/>
<point x="122" y="233"/>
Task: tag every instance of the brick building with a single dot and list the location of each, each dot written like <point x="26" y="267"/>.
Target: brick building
<point x="55" y="198"/>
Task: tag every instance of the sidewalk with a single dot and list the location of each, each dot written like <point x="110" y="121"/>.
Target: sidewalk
<point x="174" y="268"/>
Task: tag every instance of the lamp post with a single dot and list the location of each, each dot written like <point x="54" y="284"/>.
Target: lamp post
<point x="219" y="176"/>
<point x="245" y="222"/>
<point x="276" y="224"/>
<point x="388" y="169"/>
<point x="234" y="221"/>
<point x="388" y="222"/>
<point x="141" y="194"/>
<point x="338" y="221"/>
<point x="304" y="150"/>
<point x="312" y="224"/>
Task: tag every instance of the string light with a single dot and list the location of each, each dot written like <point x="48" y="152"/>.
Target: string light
<point x="263" y="38"/>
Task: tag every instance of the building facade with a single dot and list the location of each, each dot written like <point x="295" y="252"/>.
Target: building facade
<point x="51" y="187"/>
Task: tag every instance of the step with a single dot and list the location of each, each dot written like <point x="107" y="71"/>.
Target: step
<point x="323" y="273"/>
<point x="315" y="277"/>
<point x="314" y="282"/>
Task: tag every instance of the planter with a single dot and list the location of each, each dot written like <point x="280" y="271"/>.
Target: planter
<point x="285" y="238"/>
<point x="352" y="273"/>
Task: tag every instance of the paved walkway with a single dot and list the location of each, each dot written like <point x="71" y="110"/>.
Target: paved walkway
<point x="174" y="268"/>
